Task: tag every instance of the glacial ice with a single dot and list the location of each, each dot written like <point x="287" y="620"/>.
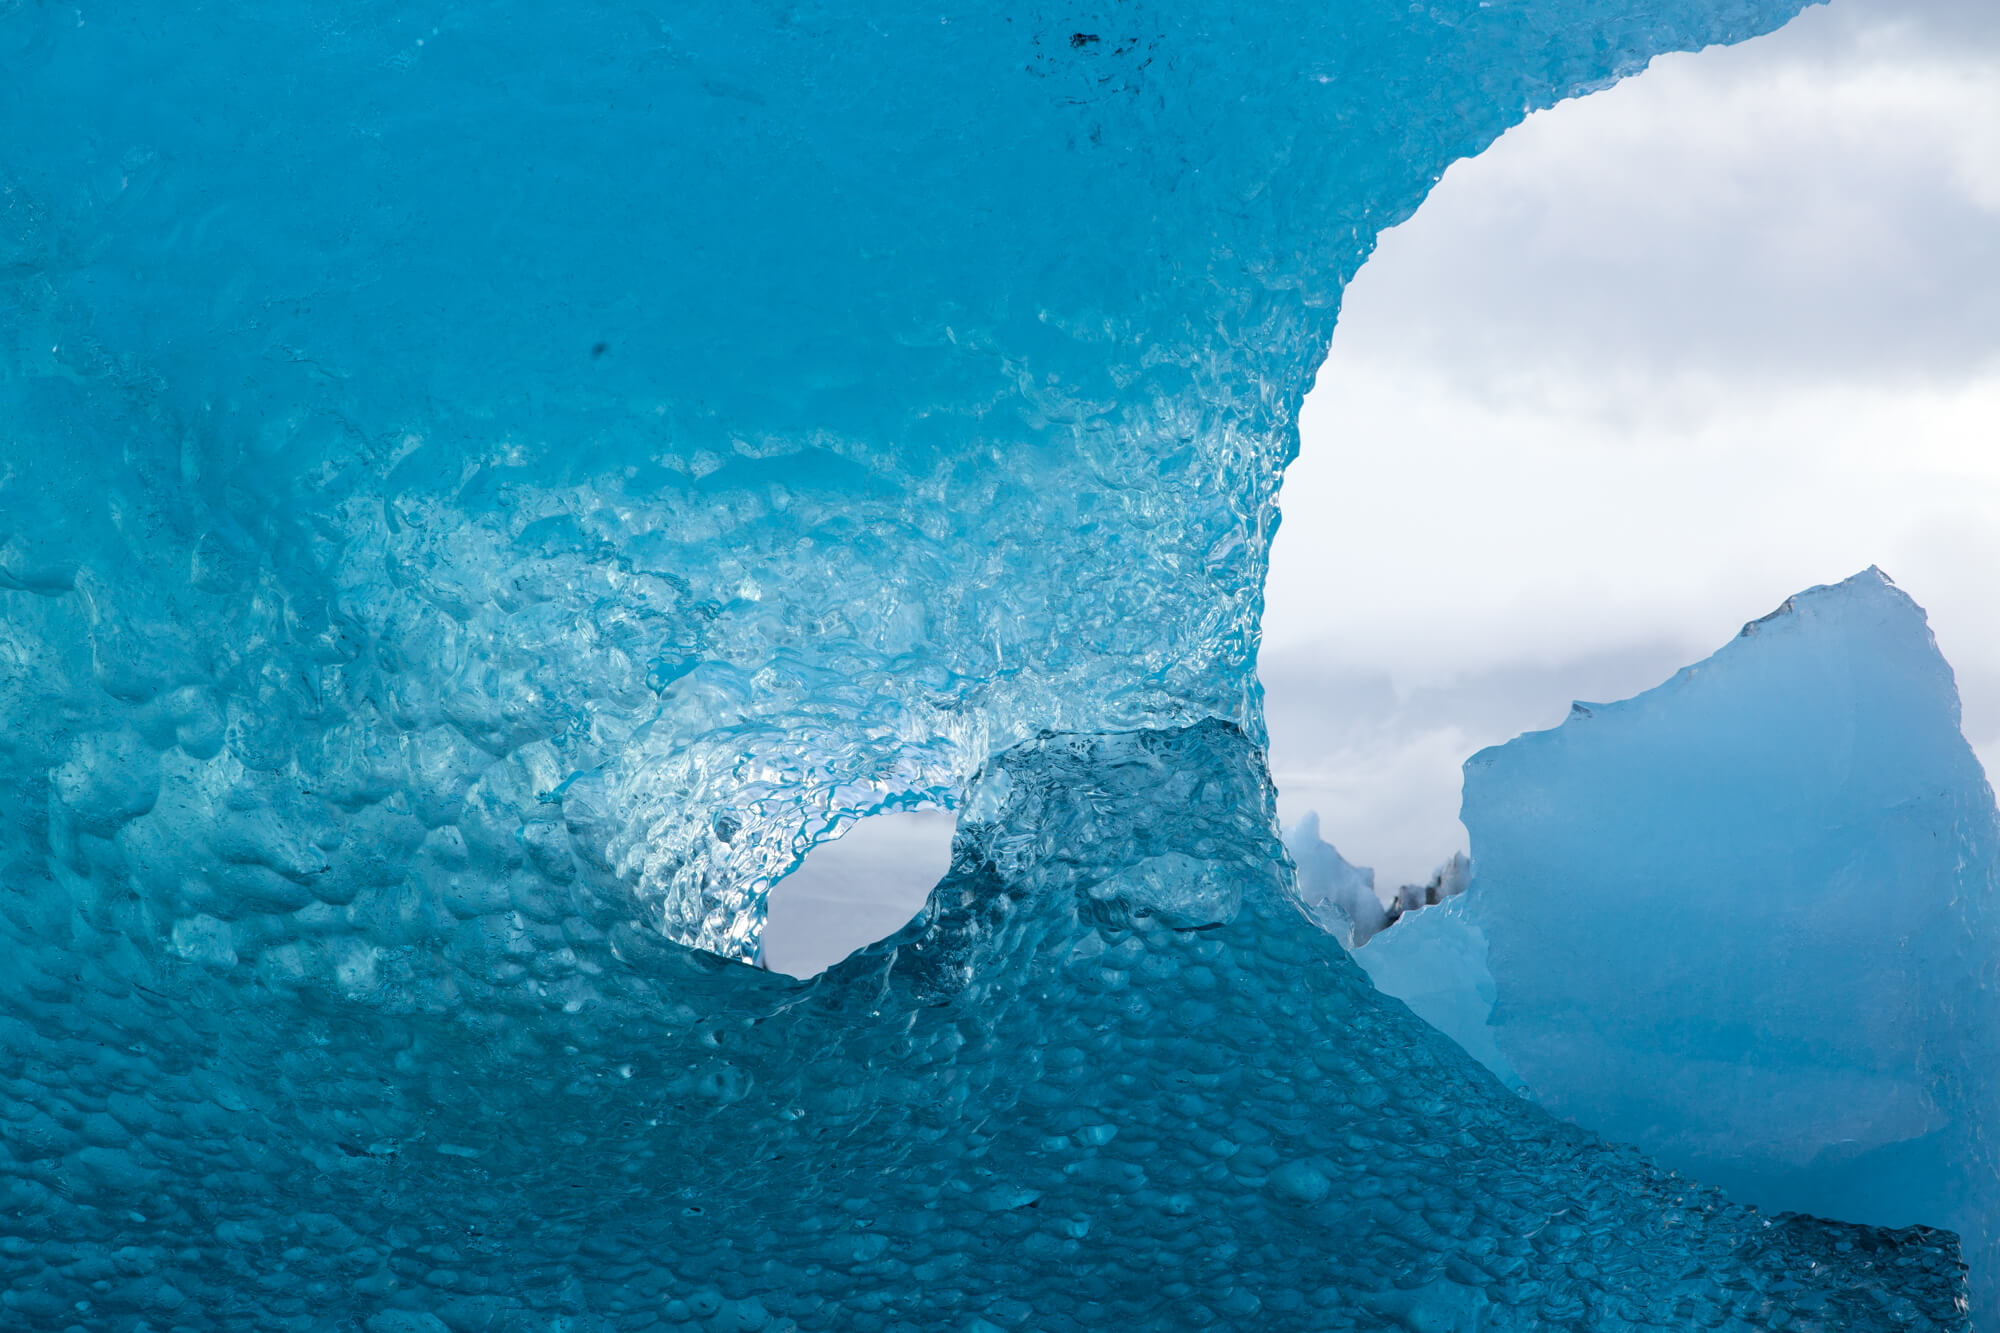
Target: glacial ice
<point x="1744" y="921"/>
<point x="1435" y="961"/>
<point x="483" y="494"/>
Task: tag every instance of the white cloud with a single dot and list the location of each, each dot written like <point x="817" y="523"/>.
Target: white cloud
<point x="1746" y="215"/>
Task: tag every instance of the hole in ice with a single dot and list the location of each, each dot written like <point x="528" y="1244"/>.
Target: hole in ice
<point x="855" y="889"/>
<point x="1578" y="372"/>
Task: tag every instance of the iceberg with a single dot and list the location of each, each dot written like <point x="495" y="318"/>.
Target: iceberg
<point x="1340" y="895"/>
<point x="1343" y="896"/>
<point x="1435" y="961"/>
<point x="483" y="494"/>
<point x="1744" y="921"/>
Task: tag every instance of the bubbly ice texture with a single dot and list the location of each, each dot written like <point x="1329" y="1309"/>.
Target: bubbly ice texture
<point x="482" y="493"/>
<point x="1110" y="1078"/>
<point x="1745" y="921"/>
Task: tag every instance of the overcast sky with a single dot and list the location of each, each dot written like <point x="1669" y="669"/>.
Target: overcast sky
<point x="1654" y="362"/>
<point x="1658" y="359"/>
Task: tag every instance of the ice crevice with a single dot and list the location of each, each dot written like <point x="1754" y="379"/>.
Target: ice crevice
<point x="482" y="496"/>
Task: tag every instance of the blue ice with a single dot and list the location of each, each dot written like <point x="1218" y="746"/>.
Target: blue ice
<point x="1744" y="921"/>
<point x="484" y="492"/>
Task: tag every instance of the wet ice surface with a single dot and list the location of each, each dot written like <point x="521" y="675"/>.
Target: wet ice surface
<point x="484" y="497"/>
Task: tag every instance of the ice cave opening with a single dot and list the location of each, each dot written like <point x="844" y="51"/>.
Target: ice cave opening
<point x="409" y="701"/>
<point x="1598" y="403"/>
<point x="854" y="889"/>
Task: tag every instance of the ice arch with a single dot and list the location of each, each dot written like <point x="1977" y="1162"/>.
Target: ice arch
<point x="838" y="395"/>
<point x="483" y="494"/>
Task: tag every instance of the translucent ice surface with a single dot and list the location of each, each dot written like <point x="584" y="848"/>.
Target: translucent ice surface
<point x="1746" y="921"/>
<point x="673" y="432"/>
<point x="1435" y="961"/>
<point x="485" y="492"/>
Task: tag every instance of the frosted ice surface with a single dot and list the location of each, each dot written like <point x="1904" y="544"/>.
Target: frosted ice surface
<point x="1745" y="921"/>
<point x="483" y="494"/>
